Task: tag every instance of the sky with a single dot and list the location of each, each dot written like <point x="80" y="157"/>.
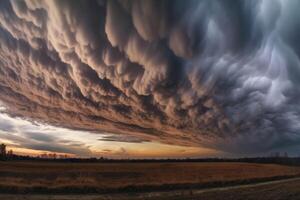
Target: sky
<point x="31" y="138"/>
<point x="165" y="78"/>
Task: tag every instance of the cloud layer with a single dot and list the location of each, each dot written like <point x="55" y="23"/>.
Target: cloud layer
<point x="20" y="134"/>
<point x="213" y="73"/>
<point x="27" y="138"/>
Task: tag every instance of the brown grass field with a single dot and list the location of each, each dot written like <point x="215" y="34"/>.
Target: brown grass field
<point x="281" y="191"/>
<point x="84" y="178"/>
<point x="278" y="191"/>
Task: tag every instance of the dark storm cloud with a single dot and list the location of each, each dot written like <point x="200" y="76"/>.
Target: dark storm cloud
<point x="121" y="138"/>
<point x="214" y="73"/>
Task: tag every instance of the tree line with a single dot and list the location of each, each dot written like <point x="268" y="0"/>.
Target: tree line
<point x="273" y="158"/>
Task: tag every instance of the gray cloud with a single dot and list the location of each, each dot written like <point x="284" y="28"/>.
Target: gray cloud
<point x="4" y="126"/>
<point x="121" y="138"/>
<point x="45" y="142"/>
<point x="210" y="73"/>
<point x="27" y="135"/>
<point x="39" y="137"/>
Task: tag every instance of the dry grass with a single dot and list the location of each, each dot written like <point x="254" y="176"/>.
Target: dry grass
<point x="20" y="176"/>
<point x="281" y="191"/>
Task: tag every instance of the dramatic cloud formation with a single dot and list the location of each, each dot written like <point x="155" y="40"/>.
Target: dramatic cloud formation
<point x="210" y="73"/>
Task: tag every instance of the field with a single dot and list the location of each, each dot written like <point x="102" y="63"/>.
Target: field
<point x="273" y="191"/>
<point x="280" y="191"/>
<point x="91" y="178"/>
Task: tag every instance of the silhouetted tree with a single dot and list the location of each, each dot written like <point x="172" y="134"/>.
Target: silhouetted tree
<point x="3" y="151"/>
<point x="10" y="153"/>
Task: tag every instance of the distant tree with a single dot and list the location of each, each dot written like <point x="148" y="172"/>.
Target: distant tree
<point x="10" y="153"/>
<point x="44" y="156"/>
<point x="63" y="156"/>
<point x="3" y="151"/>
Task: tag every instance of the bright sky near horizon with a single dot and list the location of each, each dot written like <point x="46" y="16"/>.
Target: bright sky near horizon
<point x="32" y="138"/>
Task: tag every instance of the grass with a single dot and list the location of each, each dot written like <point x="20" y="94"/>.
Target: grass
<point x="42" y="177"/>
<point x="280" y="191"/>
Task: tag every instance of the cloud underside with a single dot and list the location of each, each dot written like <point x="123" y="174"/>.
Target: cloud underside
<point x="211" y="73"/>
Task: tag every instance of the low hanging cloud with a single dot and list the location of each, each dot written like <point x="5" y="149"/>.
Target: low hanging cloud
<point x="216" y="73"/>
<point x="40" y="138"/>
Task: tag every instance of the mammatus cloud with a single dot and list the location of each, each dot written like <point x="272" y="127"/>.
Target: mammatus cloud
<point x="213" y="73"/>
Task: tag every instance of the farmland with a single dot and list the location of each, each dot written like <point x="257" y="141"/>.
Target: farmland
<point x="280" y="191"/>
<point x="275" y="190"/>
<point x="89" y="178"/>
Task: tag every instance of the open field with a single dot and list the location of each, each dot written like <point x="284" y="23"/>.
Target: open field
<point x="77" y="178"/>
<point x="271" y="190"/>
<point x="279" y="191"/>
